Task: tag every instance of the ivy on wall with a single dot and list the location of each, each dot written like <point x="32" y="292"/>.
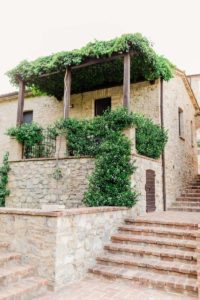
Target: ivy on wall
<point x="4" y="170"/>
<point x="145" y="65"/>
<point x="102" y="138"/>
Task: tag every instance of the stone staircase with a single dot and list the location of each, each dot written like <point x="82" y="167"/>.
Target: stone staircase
<point x="17" y="280"/>
<point x="153" y="253"/>
<point x="190" y="198"/>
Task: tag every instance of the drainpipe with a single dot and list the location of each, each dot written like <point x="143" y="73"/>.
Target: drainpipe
<point x="163" y="154"/>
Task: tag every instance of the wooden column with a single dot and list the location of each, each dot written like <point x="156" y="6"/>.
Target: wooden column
<point x="126" y="83"/>
<point x="67" y="92"/>
<point x="20" y="107"/>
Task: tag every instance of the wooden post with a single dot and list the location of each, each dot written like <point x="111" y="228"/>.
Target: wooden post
<point x="67" y="92"/>
<point x="20" y="107"/>
<point x="126" y="83"/>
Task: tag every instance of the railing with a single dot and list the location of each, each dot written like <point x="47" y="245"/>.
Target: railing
<point x="46" y="148"/>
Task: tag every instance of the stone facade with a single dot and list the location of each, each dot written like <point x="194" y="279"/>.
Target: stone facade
<point x="46" y="110"/>
<point x="180" y="152"/>
<point x="32" y="183"/>
<point x="62" y="245"/>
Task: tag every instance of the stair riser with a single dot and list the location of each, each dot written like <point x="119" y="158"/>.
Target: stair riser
<point x="152" y="284"/>
<point x="183" y="275"/>
<point x="187" y="199"/>
<point x="167" y="235"/>
<point x="153" y="256"/>
<point x="165" y="246"/>
<point x="186" y="203"/>
<point x="192" y="190"/>
<point x="172" y="226"/>
<point x="184" y="209"/>
<point x="191" y="195"/>
<point x="15" y="277"/>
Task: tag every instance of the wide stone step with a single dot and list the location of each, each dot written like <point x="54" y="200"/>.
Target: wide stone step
<point x="186" y="203"/>
<point x="191" y="195"/>
<point x="155" y="265"/>
<point x="149" y="278"/>
<point x="194" y="200"/>
<point x="159" y="231"/>
<point x="14" y="273"/>
<point x="185" y="208"/>
<point x="159" y="223"/>
<point x="187" y="245"/>
<point x="7" y="257"/>
<point x="161" y="253"/>
<point x="192" y="190"/>
<point x="26" y="289"/>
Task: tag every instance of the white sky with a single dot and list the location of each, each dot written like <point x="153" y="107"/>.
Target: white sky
<point x="33" y="28"/>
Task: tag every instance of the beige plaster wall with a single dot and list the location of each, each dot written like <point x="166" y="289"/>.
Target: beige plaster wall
<point x="180" y="154"/>
<point x="46" y="110"/>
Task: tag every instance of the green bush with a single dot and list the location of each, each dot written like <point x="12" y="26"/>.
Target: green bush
<point x="150" y="137"/>
<point x="4" y="169"/>
<point x="31" y="134"/>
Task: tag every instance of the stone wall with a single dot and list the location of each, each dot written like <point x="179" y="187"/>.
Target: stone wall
<point x="180" y="153"/>
<point x="32" y="182"/>
<point x="46" y="110"/>
<point x="62" y="245"/>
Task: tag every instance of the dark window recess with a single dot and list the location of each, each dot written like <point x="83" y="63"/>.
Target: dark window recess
<point x="101" y="105"/>
<point x="28" y="117"/>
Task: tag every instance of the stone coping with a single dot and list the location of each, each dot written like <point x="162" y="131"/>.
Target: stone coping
<point x="50" y="159"/>
<point x="158" y="160"/>
<point x="60" y="213"/>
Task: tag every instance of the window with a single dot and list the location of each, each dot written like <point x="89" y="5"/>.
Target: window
<point x="101" y="105"/>
<point x="181" y="123"/>
<point x="28" y="116"/>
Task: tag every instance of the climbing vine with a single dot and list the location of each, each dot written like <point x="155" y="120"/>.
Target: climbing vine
<point x="4" y="170"/>
<point x="102" y="138"/>
<point x="145" y="65"/>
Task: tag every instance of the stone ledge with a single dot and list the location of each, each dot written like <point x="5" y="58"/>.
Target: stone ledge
<point x="50" y="159"/>
<point x="147" y="158"/>
<point x="60" y="213"/>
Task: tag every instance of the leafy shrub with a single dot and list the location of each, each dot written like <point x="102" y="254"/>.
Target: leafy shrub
<point x="4" y="169"/>
<point x="150" y="137"/>
<point x="31" y="134"/>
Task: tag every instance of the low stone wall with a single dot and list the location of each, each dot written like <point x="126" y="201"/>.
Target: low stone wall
<point x="32" y="182"/>
<point x="62" y="245"/>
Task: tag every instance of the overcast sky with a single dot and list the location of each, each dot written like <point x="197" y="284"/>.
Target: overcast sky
<point x="33" y="28"/>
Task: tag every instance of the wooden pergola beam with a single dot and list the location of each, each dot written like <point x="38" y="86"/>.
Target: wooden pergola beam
<point x="20" y="107"/>
<point x="67" y="92"/>
<point x="127" y="81"/>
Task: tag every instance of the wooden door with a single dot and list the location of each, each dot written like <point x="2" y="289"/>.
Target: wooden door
<point x="150" y="191"/>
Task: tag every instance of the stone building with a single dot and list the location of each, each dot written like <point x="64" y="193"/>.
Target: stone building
<point x="179" y="110"/>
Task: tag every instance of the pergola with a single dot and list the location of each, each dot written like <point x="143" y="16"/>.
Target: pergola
<point x="68" y="80"/>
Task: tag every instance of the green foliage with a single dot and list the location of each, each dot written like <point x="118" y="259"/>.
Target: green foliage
<point x="198" y="143"/>
<point x="150" y="138"/>
<point x="29" y="134"/>
<point x="145" y="65"/>
<point x="4" y="169"/>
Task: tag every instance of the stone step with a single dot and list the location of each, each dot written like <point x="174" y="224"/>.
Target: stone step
<point x="11" y="274"/>
<point x="148" y="278"/>
<point x="187" y="245"/>
<point x="159" y="231"/>
<point x="155" y="265"/>
<point x="7" y="257"/>
<point x="186" y="203"/>
<point x="193" y="200"/>
<point x="185" y="208"/>
<point x="161" y="253"/>
<point x="191" y="195"/>
<point x="192" y="190"/>
<point x="26" y="289"/>
<point x="159" y="223"/>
